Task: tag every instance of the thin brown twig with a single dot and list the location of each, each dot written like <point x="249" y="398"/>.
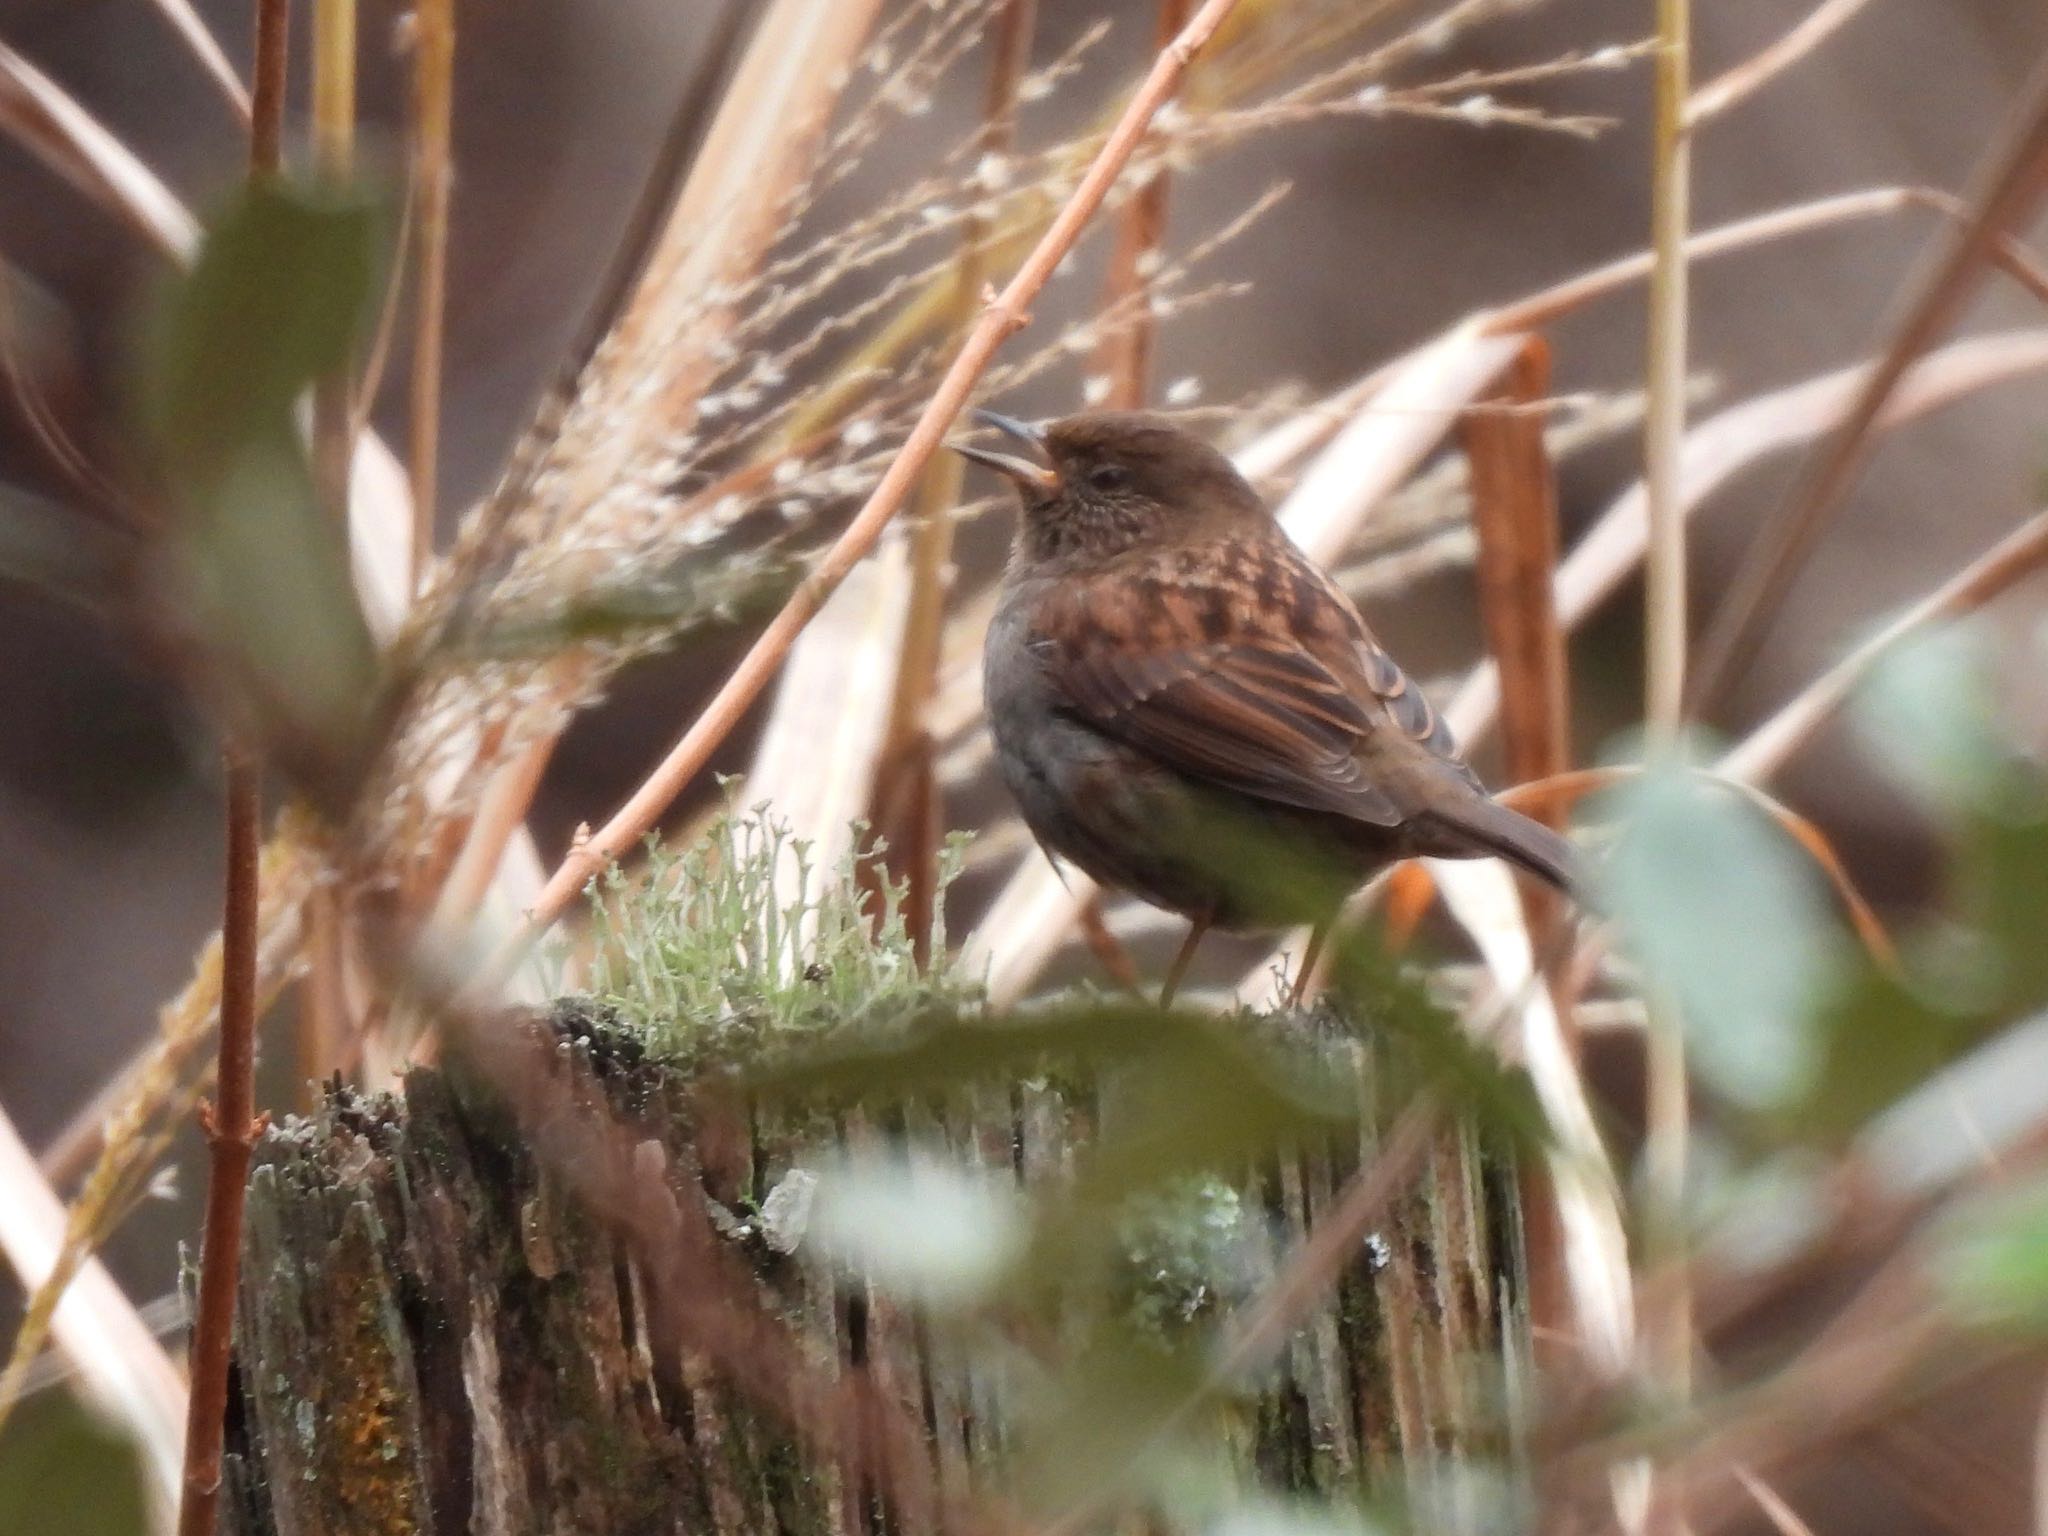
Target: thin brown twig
<point x="907" y="810"/>
<point x="1002" y="317"/>
<point x="433" y="121"/>
<point x="2008" y="188"/>
<point x="267" y="87"/>
<point x="231" y="1122"/>
<point x="232" y="1127"/>
<point x="1124" y="358"/>
<point x="1730" y="89"/>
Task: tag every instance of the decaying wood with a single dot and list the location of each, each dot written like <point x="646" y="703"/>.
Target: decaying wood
<point x="437" y="1335"/>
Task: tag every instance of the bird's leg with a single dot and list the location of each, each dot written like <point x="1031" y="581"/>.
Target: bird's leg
<point x="1197" y="926"/>
<point x="1317" y="937"/>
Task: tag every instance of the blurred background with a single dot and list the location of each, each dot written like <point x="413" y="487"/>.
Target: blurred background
<point x="109" y="814"/>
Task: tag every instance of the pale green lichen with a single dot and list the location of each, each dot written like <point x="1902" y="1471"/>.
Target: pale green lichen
<point x="700" y="957"/>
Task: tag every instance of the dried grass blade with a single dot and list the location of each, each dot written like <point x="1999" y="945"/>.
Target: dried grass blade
<point x="1514" y="510"/>
<point x="2014" y="558"/>
<point x="1541" y="308"/>
<point x="192" y="31"/>
<point x="1004" y="315"/>
<point x="2007" y="190"/>
<point x="907" y="812"/>
<point x="115" y="1352"/>
<point x="1730" y="89"/>
<point x="1482" y="897"/>
<point x="54" y="128"/>
<point x="1722" y="446"/>
<point x="433" y="153"/>
<point x="815" y="765"/>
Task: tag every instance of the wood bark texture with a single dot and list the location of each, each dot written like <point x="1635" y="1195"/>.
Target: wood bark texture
<point x="436" y="1336"/>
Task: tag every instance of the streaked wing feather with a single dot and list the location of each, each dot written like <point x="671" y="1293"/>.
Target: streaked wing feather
<point x="1246" y="669"/>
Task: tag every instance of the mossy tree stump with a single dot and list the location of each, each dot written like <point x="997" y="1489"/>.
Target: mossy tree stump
<point x="438" y="1334"/>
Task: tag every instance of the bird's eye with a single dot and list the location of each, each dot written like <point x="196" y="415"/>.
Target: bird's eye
<point x="1109" y="477"/>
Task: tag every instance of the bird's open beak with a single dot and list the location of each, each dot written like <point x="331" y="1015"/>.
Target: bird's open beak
<point x="1031" y="477"/>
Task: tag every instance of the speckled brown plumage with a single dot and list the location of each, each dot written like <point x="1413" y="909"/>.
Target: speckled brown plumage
<point x="1166" y="673"/>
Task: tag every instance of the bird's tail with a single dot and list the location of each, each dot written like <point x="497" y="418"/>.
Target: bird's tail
<point x="1486" y="826"/>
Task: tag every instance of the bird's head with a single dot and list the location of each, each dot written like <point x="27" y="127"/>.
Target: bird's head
<point x="1096" y="485"/>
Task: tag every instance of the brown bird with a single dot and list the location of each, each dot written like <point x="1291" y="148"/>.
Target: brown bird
<point x="1187" y="708"/>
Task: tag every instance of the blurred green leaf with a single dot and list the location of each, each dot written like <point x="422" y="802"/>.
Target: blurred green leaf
<point x="282" y="284"/>
<point x="1992" y="1263"/>
<point x="1429" y="1048"/>
<point x="1276" y="1517"/>
<point x="1928" y="718"/>
<point x="1978" y="969"/>
<point x="281" y="288"/>
<point x="270" y="581"/>
<point x="65" y="1472"/>
<point x="1728" y="919"/>
<point x="1877" y="1040"/>
<point x="919" y="1225"/>
<point x="2003" y="900"/>
<point x="1117" y="1421"/>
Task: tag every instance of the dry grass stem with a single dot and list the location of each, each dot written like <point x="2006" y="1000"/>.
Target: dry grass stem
<point x="39" y="116"/>
<point x="117" y="1358"/>
<point x="1668" y="1325"/>
<point x="433" y="42"/>
<point x="1724" y="445"/>
<point x="1542" y="308"/>
<point x="1737" y="85"/>
<point x="908" y="811"/>
<point x="2015" y="557"/>
<point x="200" y="42"/>
<point x="2005" y="193"/>
<point x="1514" y="510"/>
<point x="1004" y="315"/>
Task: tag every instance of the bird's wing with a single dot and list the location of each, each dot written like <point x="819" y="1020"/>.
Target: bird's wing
<point x="1243" y="666"/>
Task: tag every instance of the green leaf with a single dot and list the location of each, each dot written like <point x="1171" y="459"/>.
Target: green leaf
<point x="281" y="288"/>
<point x="1119" y="1419"/>
<point x="279" y="291"/>
<point x="269" y="584"/>
<point x="1993" y="1260"/>
<point x="65" y="1472"/>
<point x="1729" y="921"/>
<point x="2003" y="898"/>
<point x="1426" y="1049"/>
<point x="1928" y="718"/>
